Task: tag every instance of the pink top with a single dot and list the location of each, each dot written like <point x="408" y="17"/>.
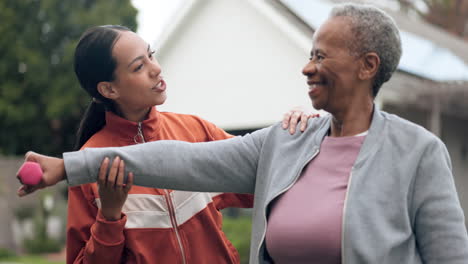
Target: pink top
<point x="304" y="224"/>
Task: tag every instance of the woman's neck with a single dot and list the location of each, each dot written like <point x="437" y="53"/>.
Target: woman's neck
<point x="134" y="116"/>
<point x="352" y="121"/>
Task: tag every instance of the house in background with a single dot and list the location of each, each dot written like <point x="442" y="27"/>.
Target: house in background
<point x="238" y="64"/>
<point x="235" y="63"/>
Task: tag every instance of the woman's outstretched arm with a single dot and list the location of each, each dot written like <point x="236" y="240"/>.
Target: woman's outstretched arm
<point x="220" y="166"/>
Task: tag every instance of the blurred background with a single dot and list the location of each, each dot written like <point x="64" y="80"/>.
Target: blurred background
<point x="236" y="63"/>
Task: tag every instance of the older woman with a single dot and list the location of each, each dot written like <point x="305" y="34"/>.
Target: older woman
<point x="367" y="186"/>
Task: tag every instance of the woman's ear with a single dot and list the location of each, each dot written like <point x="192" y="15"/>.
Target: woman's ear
<point x="370" y="65"/>
<point x="107" y="90"/>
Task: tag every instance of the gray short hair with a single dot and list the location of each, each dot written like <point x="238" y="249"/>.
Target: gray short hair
<point x="374" y="31"/>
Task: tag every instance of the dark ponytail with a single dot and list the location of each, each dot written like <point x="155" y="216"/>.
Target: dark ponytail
<point x="93" y="64"/>
<point x="91" y="122"/>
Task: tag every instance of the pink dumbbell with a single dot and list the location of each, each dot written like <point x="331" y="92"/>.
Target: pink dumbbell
<point x="30" y="173"/>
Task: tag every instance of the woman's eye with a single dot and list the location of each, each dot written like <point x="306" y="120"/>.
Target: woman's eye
<point x="151" y="55"/>
<point x="138" y="68"/>
<point x="316" y="57"/>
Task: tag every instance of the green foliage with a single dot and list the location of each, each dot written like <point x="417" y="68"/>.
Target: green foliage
<point x="41" y="242"/>
<point x="40" y="245"/>
<point x="5" y="253"/>
<point x="238" y="232"/>
<point x="41" y="102"/>
<point x="24" y="212"/>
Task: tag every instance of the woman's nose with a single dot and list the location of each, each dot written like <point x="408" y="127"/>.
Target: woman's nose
<point x="155" y="69"/>
<point x="310" y="68"/>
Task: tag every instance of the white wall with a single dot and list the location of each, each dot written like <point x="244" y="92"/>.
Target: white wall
<point x="232" y="66"/>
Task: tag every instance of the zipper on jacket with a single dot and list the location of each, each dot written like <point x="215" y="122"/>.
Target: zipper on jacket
<point x="282" y="191"/>
<point x="344" y="212"/>
<point x="170" y="205"/>
<point x="139" y="137"/>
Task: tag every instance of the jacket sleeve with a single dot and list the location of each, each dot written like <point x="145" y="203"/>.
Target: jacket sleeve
<point x="214" y="132"/>
<point x="219" y="166"/>
<point x="90" y="238"/>
<point x="226" y="200"/>
<point x="439" y="225"/>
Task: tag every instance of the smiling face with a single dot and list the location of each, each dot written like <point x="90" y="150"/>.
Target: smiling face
<point x="332" y="72"/>
<point x="138" y="84"/>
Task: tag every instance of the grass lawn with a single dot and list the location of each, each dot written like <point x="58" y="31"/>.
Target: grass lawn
<point x="29" y="260"/>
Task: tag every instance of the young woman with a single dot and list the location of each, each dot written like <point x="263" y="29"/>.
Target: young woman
<point x="113" y="223"/>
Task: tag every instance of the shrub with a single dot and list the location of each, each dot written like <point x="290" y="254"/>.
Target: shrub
<point x="238" y="232"/>
<point x="38" y="246"/>
<point x="5" y="253"/>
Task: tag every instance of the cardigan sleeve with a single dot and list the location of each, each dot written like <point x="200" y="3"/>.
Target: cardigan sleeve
<point x="439" y="225"/>
<point x="219" y="166"/>
<point x="226" y="200"/>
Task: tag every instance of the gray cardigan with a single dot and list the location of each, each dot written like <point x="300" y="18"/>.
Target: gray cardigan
<point x="401" y="204"/>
